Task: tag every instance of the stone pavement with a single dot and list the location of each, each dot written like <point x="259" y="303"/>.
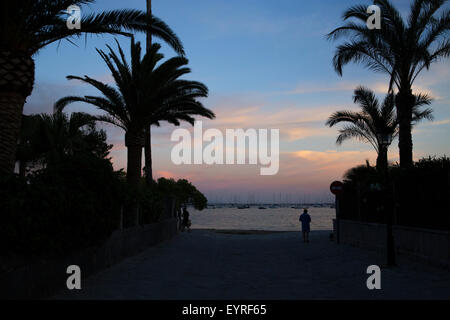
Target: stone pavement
<point x="209" y="265"/>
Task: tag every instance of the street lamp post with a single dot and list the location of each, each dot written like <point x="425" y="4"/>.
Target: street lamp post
<point x="385" y="141"/>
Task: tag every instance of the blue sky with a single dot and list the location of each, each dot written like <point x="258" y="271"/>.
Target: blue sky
<point x="267" y="65"/>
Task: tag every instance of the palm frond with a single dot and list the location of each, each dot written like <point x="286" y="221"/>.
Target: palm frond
<point x="30" y="25"/>
<point x="343" y="116"/>
<point x="146" y="92"/>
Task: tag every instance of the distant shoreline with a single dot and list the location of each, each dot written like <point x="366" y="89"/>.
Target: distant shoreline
<point x="253" y="220"/>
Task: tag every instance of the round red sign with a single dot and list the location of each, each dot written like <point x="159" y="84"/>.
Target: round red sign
<point x="337" y="188"/>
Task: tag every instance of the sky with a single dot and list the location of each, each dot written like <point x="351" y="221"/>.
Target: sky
<point x="268" y="65"/>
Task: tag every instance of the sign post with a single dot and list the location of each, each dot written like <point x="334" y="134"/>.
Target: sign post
<point x="337" y="188"/>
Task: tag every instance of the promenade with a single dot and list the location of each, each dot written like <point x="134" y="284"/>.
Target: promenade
<point x="210" y="265"/>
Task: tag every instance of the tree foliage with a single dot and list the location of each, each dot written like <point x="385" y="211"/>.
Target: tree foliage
<point x="50" y="138"/>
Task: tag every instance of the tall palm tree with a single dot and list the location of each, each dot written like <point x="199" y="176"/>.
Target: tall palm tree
<point x="146" y="94"/>
<point x="375" y="120"/>
<point x="148" y="134"/>
<point x="27" y="26"/>
<point x="401" y="49"/>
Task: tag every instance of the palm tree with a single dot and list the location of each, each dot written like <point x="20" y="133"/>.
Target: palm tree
<point x="148" y="135"/>
<point x="401" y="49"/>
<point x="47" y="139"/>
<point x="62" y="135"/>
<point x="27" y="26"/>
<point x="374" y="120"/>
<point x="146" y="94"/>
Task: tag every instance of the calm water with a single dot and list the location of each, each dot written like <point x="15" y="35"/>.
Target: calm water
<point x="279" y="219"/>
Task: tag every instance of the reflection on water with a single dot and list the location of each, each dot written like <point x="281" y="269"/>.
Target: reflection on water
<point x="278" y="219"/>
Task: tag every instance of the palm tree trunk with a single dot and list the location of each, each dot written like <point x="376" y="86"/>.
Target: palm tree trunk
<point x="148" y="156"/>
<point x="11" y="107"/>
<point x="382" y="159"/>
<point x="405" y="101"/>
<point x="134" y="143"/>
<point x="148" y="139"/>
<point x="16" y="84"/>
<point x="134" y="158"/>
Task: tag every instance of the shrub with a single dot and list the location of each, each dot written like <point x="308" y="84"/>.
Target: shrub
<point x="184" y="192"/>
<point x="65" y="207"/>
<point x="418" y="197"/>
<point x="154" y="199"/>
<point x="151" y="203"/>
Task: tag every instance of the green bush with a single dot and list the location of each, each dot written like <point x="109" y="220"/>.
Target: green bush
<point x="183" y="191"/>
<point x="151" y="203"/>
<point x="76" y="203"/>
<point x="67" y="206"/>
<point x="154" y="198"/>
<point x="418" y="197"/>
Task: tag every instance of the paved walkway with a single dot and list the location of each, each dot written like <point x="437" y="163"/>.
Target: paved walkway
<point x="210" y="265"/>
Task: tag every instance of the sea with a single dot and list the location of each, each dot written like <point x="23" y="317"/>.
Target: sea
<point x="253" y="218"/>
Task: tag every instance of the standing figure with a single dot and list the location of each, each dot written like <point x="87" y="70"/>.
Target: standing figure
<point x="186" y="222"/>
<point x="305" y="219"/>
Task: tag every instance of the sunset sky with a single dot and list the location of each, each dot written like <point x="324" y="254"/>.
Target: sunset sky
<point x="267" y="65"/>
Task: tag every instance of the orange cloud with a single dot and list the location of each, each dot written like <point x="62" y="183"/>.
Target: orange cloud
<point x="298" y="133"/>
<point x="165" y="174"/>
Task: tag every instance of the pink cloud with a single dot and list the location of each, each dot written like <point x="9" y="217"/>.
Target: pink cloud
<point x="302" y="171"/>
<point x="165" y="174"/>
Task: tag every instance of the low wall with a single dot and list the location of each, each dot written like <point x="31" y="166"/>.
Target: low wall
<point x="43" y="279"/>
<point x="431" y="246"/>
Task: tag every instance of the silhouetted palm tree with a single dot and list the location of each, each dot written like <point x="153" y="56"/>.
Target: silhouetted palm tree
<point x="374" y="120"/>
<point x="48" y="138"/>
<point x="400" y="49"/>
<point x="67" y="135"/>
<point x="27" y="26"/>
<point x="148" y="134"/>
<point x="146" y="94"/>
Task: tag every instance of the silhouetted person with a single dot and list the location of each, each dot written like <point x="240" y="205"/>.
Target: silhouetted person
<point x="305" y="219"/>
<point x="186" y="222"/>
